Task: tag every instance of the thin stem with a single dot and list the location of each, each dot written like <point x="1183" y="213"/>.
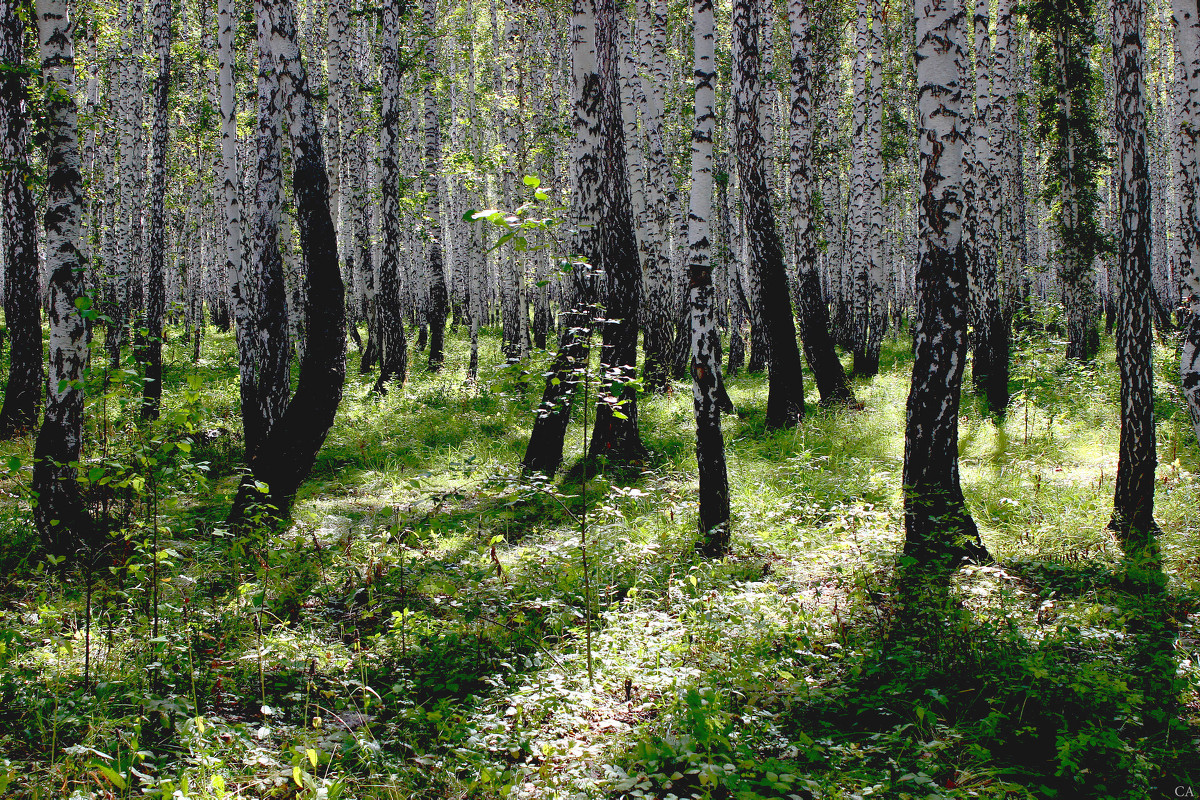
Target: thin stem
<point x="587" y="580"/>
<point x="87" y="635"/>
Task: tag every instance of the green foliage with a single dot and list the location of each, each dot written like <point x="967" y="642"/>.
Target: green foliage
<point x="419" y="630"/>
<point x="1069" y="92"/>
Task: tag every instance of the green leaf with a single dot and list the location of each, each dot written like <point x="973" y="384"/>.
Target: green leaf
<point x="112" y="776"/>
<point x="531" y="181"/>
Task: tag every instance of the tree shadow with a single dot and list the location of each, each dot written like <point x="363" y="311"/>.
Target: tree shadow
<point x="953" y="699"/>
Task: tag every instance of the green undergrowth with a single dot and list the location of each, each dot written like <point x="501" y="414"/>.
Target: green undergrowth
<point x="420" y="630"/>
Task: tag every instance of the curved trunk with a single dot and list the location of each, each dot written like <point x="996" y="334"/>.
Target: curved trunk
<point x="785" y="398"/>
<point x="615" y="435"/>
<point x="819" y="351"/>
<point x="286" y="454"/>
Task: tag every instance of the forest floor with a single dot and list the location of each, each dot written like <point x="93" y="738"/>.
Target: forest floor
<point x="422" y="630"/>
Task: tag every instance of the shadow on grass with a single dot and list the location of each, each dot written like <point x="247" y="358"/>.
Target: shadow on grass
<point x="964" y="706"/>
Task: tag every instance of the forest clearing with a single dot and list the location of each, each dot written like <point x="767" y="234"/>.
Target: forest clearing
<point x="576" y="400"/>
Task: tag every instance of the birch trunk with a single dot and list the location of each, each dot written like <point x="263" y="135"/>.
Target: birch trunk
<point x="785" y="398"/>
<point x="23" y="391"/>
<point x="156" y="294"/>
<point x="708" y="392"/>
<point x="939" y="531"/>
<point x="1133" y="504"/>
<point x="61" y="518"/>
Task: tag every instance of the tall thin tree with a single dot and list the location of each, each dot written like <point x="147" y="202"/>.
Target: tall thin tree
<point x="393" y="347"/>
<point x="785" y="398"/>
<point x="60" y="515"/>
<point x="23" y="391"/>
<point x="708" y="392"/>
<point x="1133" y="504"/>
<point x="160" y="133"/>
<point x="433" y="208"/>
<point x="544" y="452"/>
<point x="828" y="373"/>
<point x="615" y="435"/>
<point x="1186" y="17"/>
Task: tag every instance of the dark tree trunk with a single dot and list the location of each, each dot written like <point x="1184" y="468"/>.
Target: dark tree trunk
<point x="23" y="392"/>
<point x="286" y="455"/>
<point x="823" y="360"/>
<point x="939" y="531"/>
<point x="785" y="396"/>
<point x="545" y="450"/>
<point x="156" y="297"/>
<point x="389" y="333"/>
<point x="1133" y="504"/>
<point x="615" y="435"/>
<point x="433" y="167"/>
<point x="60" y="515"/>
<point x="272" y="375"/>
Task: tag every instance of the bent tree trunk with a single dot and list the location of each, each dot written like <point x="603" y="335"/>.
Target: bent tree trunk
<point x="287" y="452"/>
<point x="23" y="392"/>
<point x="785" y="395"/>
<point x="827" y="369"/>
<point x="61" y="518"/>
<point x="939" y="531"/>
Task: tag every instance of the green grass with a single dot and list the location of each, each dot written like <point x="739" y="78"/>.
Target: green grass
<point x="419" y="631"/>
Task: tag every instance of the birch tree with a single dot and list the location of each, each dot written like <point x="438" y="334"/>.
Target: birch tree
<point x="708" y="392"/>
<point x="1067" y="120"/>
<point x="615" y="434"/>
<point x="1186" y="18"/>
<point x="393" y="347"/>
<point x="287" y="452"/>
<point x="785" y="399"/>
<point x="939" y="530"/>
<point x="828" y="373"/>
<point x="156" y="293"/>
<point x="1133" y="504"/>
<point x="23" y="391"/>
<point x="60" y="515"/>
<point x="544" y="452"/>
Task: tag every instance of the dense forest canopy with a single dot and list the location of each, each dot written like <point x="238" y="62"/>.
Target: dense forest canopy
<point x="347" y="442"/>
